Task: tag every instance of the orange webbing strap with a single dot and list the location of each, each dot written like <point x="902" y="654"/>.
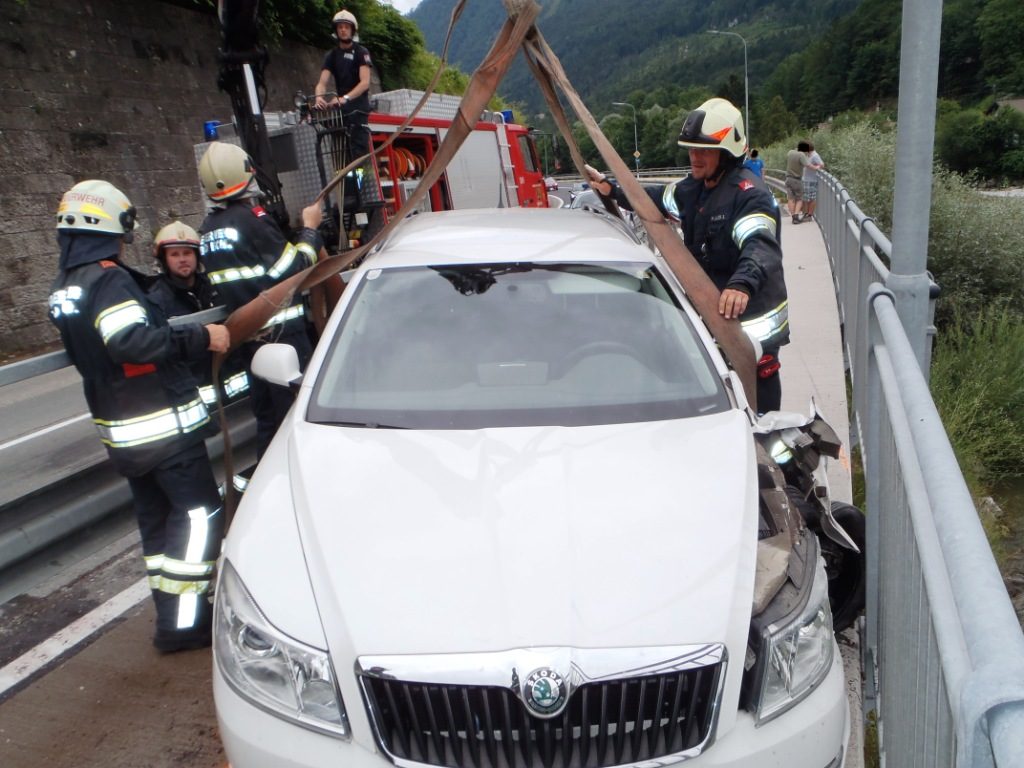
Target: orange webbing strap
<point x="247" y="321"/>
<point x="698" y="286"/>
<point x="547" y="87"/>
<point x="230" y="498"/>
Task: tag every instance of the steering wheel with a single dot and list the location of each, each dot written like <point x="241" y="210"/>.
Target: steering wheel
<point x="597" y="348"/>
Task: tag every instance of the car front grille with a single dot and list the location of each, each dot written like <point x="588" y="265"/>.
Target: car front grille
<point x="605" y="723"/>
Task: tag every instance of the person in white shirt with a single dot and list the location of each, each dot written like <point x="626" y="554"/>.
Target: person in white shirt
<point x="810" y="180"/>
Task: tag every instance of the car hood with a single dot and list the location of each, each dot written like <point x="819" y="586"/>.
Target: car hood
<point x="603" y="536"/>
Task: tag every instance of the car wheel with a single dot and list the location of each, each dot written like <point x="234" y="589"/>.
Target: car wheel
<point x="846" y="571"/>
<point x="845" y="568"/>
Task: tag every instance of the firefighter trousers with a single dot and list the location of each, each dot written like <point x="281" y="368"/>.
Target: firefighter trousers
<point x="180" y="517"/>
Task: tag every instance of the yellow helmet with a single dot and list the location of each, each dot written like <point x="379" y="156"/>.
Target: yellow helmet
<point x="715" y="124"/>
<point x="97" y="206"/>
<point x="343" y="15"/>
<point x="226" y="172"/>
<point x="175" y="233"/>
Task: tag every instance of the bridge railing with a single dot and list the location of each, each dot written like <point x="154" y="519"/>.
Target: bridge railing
<point x="942" y="648"/>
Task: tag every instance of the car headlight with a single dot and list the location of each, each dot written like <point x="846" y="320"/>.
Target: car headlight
<point x="275" y="672"/>
<point x="798" y="654"/>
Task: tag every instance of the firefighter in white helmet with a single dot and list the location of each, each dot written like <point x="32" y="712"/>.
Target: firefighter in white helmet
<point x="244" y="253"/>
<point x="144" y="403"/>
<point x="349" y="64"/>
<point x="731" y="225"/>
<point x="181" y="288"/>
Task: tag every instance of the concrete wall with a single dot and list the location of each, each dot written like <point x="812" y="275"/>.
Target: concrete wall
<point x="106" y="89"/>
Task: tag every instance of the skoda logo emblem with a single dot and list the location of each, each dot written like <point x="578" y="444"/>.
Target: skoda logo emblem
<point x="545" y="692"/>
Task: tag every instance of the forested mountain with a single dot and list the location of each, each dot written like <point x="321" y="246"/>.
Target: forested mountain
<point x="819" y="58"/>
<point x="611" y="48"/>
<point x="855" y="65"/>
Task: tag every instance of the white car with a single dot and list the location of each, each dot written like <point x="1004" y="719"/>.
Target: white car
<point x="521" y="516"/>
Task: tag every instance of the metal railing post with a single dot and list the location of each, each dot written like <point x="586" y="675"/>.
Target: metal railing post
<point x="915" y="139"/>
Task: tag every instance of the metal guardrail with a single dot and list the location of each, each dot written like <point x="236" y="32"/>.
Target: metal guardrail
<point x="54" y="361"/>
<point x="83" y="498"/>
<point x="943" y="651"/>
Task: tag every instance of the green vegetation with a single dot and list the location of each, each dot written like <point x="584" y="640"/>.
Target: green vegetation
<point x="808" y="63"/>
<point x="396" y="43"/>
<point x="987" y="140"/>
<point x="976" y="254"/>
<point x="978" y="386"/>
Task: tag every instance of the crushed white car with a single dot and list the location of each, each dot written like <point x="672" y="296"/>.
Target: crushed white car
<point x="520" y="515"/>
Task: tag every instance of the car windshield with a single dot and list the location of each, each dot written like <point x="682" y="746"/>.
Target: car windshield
<point x="501" y="345"/>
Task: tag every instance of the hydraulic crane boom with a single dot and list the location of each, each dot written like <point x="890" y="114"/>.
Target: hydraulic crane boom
<point x="242" y="61"/>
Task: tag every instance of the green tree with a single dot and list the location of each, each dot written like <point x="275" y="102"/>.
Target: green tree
<point x="960" y="61"/>
<point x="1001" y="29"/>
<point x="773" y="122"/>
<point x="970" y="141"/>
<point x="392" y="39"/>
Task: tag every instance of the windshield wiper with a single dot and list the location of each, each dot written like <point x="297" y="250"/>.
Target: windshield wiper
<point x="360" y="424"/>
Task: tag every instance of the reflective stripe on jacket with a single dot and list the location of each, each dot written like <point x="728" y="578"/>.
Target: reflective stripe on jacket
<point x="140" y="391"/>
<point x="244" y="253"/>
<point x="733" y="231"/>
<point x="176" y="299"/>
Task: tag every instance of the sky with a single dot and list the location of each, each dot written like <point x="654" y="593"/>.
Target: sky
<point x="403" y="6"/>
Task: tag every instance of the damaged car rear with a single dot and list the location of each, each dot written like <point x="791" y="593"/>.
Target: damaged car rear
<point x="521" y="515"/>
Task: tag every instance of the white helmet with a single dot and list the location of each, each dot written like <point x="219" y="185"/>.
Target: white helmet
<point x="343" y="15"/>
<point x="715" y="124"/>
<point x="175" y="233"/>
<point x="226" y="172"/>
<point x="97" y="206"/>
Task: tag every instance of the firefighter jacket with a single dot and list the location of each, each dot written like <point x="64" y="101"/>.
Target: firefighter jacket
<point x="244" y="253"/>
<point x="134" y="366"/>
<point x="733" y="231"/>
<point x="176" y="298"/>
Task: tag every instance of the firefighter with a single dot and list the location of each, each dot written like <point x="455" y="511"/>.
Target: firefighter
<point x="144" y="402"/>
<point x="349" y="64"/>
<point x="730" y="222"/>
<point x="244" y="253"/>
<point x="182" y="288"/>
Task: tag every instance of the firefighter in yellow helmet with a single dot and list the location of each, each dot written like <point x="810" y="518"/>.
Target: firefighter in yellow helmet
<point x="181" y="288"/>
<point x="731" y="225"/>
<point x="244" y="253"/>
<point x="144" y="403"/>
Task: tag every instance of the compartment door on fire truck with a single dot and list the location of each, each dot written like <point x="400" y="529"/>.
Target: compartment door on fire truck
<point x="475" y="174"/>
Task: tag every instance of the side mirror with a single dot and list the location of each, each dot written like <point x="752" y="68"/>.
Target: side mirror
<point x="278" y="364"/>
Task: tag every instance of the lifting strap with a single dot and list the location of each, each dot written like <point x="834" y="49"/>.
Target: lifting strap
<point x="519" y="32"/>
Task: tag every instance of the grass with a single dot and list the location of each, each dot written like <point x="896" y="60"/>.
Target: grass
<point x="976" y="255"/>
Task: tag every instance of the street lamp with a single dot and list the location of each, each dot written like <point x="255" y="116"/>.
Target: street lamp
<point x="636" y="145"/>
<point x="746" y="82"/>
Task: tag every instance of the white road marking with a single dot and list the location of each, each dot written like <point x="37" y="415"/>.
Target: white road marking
<point x="41" y="432"/>
<point x="35" y="659"/>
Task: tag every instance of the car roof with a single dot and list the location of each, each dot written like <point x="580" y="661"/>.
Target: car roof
<point x="586" y="197"/>
<point x="503" y="235"/>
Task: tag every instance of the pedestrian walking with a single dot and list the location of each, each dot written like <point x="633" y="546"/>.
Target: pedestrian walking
<point x="810" y="182"/>
<point x="754" y="163"/>
<point x="796" y="161"/>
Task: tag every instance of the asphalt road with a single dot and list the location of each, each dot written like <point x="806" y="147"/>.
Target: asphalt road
<point x="84" y="687"/>
<point x="45" y="433"/>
